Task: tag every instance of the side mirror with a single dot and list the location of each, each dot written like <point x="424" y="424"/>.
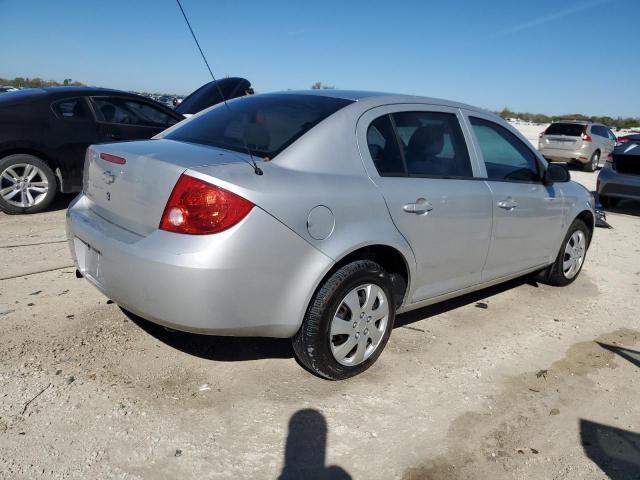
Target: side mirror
<point x="556" y="173"/>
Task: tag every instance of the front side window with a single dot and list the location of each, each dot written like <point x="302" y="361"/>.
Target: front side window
<point x="506" y="157"/>
<point x="266" y="124"/>
<point x="419" y="144"/>
<point x="131" y="112"/>
<point x="71" y="109"/>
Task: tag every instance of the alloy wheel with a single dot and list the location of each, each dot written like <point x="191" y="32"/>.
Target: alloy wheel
<point x="23" y="185"/>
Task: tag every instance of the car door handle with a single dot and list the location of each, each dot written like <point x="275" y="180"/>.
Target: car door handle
<point x="508" y="204"/>
<point x="421" y="207"/>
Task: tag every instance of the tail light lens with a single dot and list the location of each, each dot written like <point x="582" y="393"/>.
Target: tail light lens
<point x="196" y="207"/>
<point x="585" y="136"/>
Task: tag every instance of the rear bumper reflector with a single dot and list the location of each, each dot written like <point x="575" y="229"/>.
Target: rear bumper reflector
<point x="107" y="157"/>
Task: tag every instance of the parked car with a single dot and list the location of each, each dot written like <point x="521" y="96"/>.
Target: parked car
<point x="7" y="89"/>
<point x="620" y="177"/>
<point x="634" y="137"/>
<point x="359" y="206"/>
<point x="585" y="143"/>
<point x="44" y="134"/>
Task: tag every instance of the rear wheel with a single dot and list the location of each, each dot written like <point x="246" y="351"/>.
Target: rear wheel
<point x="571" y="256"/>
<point x="348" y="322"/>
<point x="27" y="184"/>
<point x="593" y="162"/>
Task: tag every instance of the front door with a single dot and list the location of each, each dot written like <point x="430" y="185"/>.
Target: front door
<point x="527" y="215"/>
<point x="418" y="157"/>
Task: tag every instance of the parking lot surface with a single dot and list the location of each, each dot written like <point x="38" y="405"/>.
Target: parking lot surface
<point x="521" y="380"/>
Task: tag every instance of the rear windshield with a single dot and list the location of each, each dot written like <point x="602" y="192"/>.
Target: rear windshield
<point x="568" y="129"/>
<point x="267" y="124"/>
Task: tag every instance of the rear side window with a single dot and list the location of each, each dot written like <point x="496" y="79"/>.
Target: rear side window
<point x="506" y="157"/>
<point x="383" y="147"/>
<point x="566" y="129"/>
<point x="419" y="144"/>
<point x="267" y="124"/>
<point x="131" y="112"/>
<point x="71" y="109"/>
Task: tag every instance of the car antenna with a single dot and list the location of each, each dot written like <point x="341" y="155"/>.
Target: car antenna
<point x="254" y="165"/>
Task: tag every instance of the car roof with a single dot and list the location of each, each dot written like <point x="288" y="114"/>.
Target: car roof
<point x="381" y="97"/>
<point x="84" y="91"/>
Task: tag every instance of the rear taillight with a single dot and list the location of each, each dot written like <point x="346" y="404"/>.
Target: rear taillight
<point x="196" y="207"/>
<point x="623" y="140"/>
<point x="585" y="136"/>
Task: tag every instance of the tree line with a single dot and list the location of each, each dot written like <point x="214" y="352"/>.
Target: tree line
<point x="618" y="123"/>
<point x="38" y="82"/>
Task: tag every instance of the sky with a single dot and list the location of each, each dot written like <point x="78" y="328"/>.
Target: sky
<point x="542" y="56"/>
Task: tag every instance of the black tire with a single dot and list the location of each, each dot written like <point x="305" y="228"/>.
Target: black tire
<point x="11" y="160"/>
<point x="312" y="342"/>
<point x="554" y="275"/>
<point x="593" y="162"/>
<point x="608" y="202"/>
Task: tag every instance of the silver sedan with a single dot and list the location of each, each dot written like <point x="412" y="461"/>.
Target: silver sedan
<point x="321" y="215"/>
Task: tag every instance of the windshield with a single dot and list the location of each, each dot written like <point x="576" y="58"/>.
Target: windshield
<point x="568" y="129"/>
<point x="267" y="124"/>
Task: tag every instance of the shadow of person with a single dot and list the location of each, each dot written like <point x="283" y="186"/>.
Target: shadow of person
<point x="629" y="355"/>
<point x="615" y="451"/>
<point x="305" y="453"/>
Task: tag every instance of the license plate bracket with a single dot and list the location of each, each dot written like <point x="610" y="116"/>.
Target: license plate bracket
<point x="89" y="260"/>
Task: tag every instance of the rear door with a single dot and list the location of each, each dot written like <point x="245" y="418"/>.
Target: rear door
<point x="124" y="118"/>
<point x="418" y="157"/>
<point x="73" y="129"/>
<point x="563" y="136"/>
<point x="527" y="215"/>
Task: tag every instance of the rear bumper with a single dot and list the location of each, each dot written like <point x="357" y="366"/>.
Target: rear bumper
<point x="558" y="155"/>
<point x="619" y="185"/>
<point x="254" y="279"/>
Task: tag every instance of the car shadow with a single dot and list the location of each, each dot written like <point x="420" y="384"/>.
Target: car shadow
<point x="615" y="451"/>
<point x="210" y="347"/>
<point x="237" y="349"/>
<point x="405" y="319"/>
<point x="306" y="449"/>
<point x="61" y="202"/>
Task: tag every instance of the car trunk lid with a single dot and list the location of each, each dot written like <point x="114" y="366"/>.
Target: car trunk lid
<point x="129" y="183"/>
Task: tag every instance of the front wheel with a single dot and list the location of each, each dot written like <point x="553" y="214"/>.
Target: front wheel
<point x="571" y="256"/>
<point x="348" y="322"/>
<point x="27" y="184"/>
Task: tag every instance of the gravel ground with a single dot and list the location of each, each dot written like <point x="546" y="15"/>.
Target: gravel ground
<point x="517" y="381"/>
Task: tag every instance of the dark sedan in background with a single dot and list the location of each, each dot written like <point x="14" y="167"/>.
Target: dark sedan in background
<point x="620" y="177"/>
<point x="45" y="132"/>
